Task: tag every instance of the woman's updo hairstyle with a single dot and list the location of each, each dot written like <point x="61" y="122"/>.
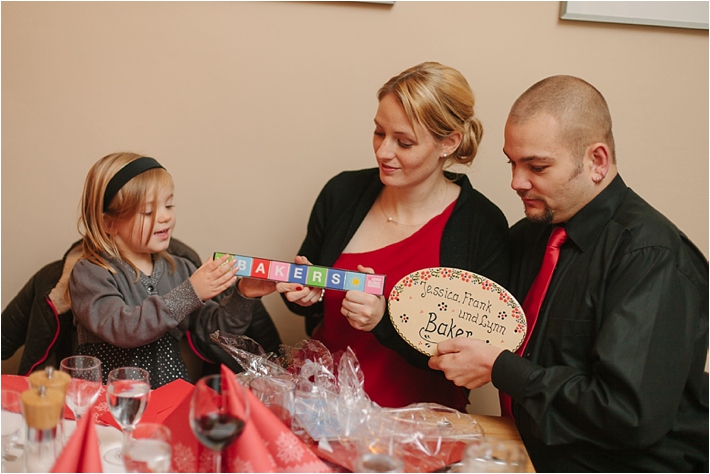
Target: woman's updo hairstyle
<point x="439" y="98"/>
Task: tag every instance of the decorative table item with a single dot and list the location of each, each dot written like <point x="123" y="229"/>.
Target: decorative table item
<point x="434" y="304"/>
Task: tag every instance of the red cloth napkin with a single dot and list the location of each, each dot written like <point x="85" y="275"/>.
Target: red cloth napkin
<point x="162" y="402"/>
<point x="17" y="383"/>
<point x="265" y="445"/>
<point x="81" y="454"/>
<point x="20" y="383"/>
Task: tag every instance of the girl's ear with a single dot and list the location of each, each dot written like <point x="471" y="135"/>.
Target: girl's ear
<point x="110" y="225"/>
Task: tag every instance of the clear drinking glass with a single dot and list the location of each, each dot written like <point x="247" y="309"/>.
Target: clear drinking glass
<point x="148" y="449"/>
<point x="127" y="393"/>
<point x="492" y="455"/>
<point x="85" y="383"/>
<point x="210" y="418"/>
<point x="378" y="462"/>
<point x="11" y="422"/>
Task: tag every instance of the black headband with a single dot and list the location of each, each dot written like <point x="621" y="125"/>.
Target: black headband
<point x="125" y="174"/>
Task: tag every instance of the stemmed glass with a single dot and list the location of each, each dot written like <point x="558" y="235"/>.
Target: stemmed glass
<point x="215" y="425"/>
<point x="11" y="421"/>
<point x="149" y="449"/>
<point x="127" y="393"/>
<point x="85" y="384"/>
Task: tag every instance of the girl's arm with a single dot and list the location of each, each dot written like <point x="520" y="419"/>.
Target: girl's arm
<point x="111" y="307"/>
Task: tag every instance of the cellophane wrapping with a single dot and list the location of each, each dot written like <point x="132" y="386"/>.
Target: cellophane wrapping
<point x="334" y="415"/>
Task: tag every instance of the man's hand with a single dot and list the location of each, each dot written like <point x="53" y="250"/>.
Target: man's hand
<point x="466" y="362"/>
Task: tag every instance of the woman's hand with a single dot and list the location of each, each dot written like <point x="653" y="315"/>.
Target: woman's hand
<point x="299" y="294"/>
<point x="363" y="310"/>
<point x="213" y="277"/>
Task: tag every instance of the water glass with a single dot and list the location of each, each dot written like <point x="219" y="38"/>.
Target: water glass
<point x="11" y="422"/>
<point x="492" y="455"/>
<point x="148" y="449"/>
<point x="85" y="384"/>
<point x="127" y="394"/>
<point x="278" y="394"/>
<point x="378" y="462"/>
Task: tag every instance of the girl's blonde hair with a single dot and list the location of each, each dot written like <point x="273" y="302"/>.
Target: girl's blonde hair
<point x="94" y="223"/>
<point x="439" y="98"/>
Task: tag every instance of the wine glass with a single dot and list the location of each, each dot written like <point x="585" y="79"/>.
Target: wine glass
<point x="127" y="392"/>
<point x="85" y="383"/>
<point x="212" y="419"/>
<point x="11" y="422"/>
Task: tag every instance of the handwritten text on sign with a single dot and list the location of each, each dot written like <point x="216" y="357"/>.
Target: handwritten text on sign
<point x="434" y="304"/>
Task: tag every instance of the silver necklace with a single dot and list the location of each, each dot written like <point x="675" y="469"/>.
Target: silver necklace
<point x="390" y="220"/>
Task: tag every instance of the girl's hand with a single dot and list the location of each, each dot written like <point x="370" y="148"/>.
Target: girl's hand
<point x="363" y="310"/>
<point x="213" y="277"/>
<point x="299" y="294"/>
<point x="254" y="288"/>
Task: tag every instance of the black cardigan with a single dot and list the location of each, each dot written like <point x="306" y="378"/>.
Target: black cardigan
<point x="474" y="239"/>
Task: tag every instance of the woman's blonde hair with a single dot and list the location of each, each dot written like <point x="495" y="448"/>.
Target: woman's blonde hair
<point x="94" y="223"/>
<point x="440" y="99"/>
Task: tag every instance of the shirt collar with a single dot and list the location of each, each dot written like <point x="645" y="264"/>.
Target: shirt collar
<point x="584" y="226"/>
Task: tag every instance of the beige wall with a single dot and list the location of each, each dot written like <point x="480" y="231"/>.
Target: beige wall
<point x="253" y="106"/>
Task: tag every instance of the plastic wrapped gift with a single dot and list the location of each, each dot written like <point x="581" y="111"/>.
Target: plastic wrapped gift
<point x="338" y="420"/>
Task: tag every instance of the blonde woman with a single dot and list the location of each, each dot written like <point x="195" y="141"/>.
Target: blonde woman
<point x="406" y="214"/>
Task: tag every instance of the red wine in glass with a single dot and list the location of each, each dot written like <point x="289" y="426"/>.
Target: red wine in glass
<point x="217" y="430"/>
<point x="213" y="422"/>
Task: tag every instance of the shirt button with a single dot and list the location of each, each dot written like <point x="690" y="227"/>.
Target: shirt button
<point x="150" y="289"/>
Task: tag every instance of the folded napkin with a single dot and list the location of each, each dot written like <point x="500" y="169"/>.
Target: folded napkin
<point x="265" y="445"/>
<point x="81" y="454"/>
<point x="162" y="402"/>
<point x="17" y="383"/>
<point x="20" y="383"/>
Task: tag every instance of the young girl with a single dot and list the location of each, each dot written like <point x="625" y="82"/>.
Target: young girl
<point x="132" y="301"/>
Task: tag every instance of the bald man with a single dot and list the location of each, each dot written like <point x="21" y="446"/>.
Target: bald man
<point x="612" y="377"/>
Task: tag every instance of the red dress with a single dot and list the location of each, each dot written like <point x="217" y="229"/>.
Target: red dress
<point x="390" y="380"/>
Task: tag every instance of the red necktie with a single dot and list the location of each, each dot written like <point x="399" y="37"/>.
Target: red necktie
<point x="536" y="295"/>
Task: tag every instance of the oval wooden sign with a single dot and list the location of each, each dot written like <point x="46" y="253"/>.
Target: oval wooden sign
<point x="435" y="304"/>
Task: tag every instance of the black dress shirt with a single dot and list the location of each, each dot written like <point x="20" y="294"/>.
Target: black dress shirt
<point x="613" y="378"/>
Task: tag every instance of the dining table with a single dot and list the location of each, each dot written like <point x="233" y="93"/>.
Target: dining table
<point x="503" y="428"/>
<point x="109" y="437"/>
<point x="497" y="427"/>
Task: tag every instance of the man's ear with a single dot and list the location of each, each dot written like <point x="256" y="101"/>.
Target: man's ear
<point x="600" y="158"/>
